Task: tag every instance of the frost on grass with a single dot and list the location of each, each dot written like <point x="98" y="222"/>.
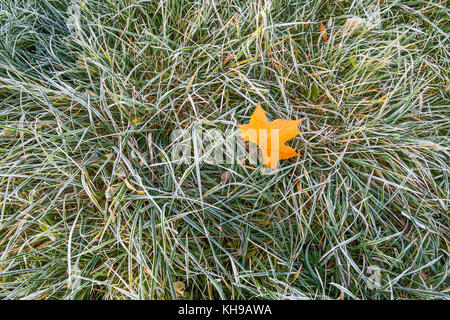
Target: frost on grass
<point x="92" y="205"/>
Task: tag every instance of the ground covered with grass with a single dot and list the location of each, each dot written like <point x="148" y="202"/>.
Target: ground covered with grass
<point x="93" y="206"/>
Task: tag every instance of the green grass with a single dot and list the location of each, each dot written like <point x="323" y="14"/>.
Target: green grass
<point x="370" y="189"/>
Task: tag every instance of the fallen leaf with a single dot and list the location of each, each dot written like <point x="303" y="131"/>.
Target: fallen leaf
<point x="136" y="120"/>
<point x="179" y="288"/>
<point x="323" y="31"/>
<point x="262" y="131"/>
<point x="314" y="91"/>
<point x="225" y="176"/>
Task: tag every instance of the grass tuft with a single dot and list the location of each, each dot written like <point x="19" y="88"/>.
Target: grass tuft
<point x="92" y="206"/>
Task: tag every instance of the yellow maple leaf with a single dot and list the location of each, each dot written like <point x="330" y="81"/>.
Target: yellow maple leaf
<point x="270" y="136"/>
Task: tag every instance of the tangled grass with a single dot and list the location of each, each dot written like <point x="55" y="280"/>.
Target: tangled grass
<point x="93" y="207"/>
